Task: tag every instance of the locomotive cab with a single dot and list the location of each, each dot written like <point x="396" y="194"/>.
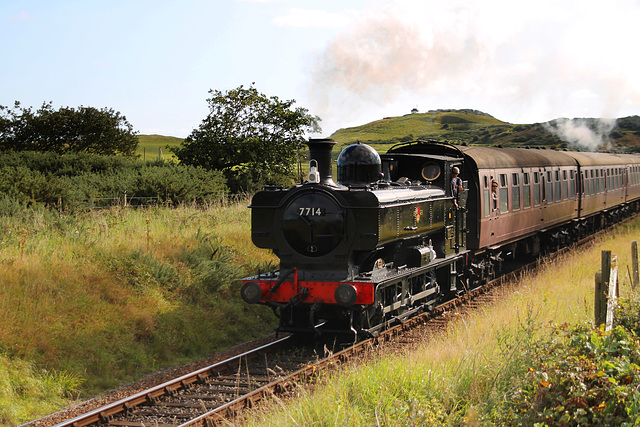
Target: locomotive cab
<point x="432" y="170"/>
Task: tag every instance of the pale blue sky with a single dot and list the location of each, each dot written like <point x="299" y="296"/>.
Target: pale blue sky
<point x="349" y="62"/>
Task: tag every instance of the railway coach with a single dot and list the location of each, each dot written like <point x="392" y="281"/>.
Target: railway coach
<point x="525" y="201"/>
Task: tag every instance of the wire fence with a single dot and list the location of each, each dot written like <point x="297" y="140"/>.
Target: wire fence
<point x="122" y="201"/>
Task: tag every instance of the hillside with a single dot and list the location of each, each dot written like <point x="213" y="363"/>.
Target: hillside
<point x="467" y="126"/>
<point x="477" y="128"/>
<point x="151" y="146"/>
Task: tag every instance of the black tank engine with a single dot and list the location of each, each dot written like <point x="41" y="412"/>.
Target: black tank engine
<point x="371" y="249"/>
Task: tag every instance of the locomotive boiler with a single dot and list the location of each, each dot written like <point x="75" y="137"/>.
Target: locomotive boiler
<point x="356" y="255"/>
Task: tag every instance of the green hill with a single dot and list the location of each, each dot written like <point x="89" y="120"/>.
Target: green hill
<point x="456" y="126"/>
<point x="477" y="128"/>
<point x="151" y="146"/>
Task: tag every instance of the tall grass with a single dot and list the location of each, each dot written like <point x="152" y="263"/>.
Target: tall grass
<point x="103" y="297"/>
<point x="464" y="374"/>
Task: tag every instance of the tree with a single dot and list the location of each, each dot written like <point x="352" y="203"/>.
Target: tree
<point x="67" y="130"/>
<point x="248" y="136"/>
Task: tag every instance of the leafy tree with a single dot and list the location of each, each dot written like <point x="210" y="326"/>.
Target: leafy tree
<point x="67" y="130"/>
<point x="251" y="138"/>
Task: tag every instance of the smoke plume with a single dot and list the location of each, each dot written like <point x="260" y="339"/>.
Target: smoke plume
<point x="520" y="62"/>
<point x="583" y="134"/>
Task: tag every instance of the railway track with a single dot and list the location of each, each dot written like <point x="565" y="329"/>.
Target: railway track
<point x="212" y="394"/>
<point x="223" y="390"/>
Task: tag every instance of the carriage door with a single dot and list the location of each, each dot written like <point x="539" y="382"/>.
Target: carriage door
<point x="492" y="205"/>
<point x="625" y="183"/>
<point x="580" y="191"/>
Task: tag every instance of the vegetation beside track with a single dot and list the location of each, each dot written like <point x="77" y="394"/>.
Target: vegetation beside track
<point x="93" y="300"/>
<point x="531" y="357"/>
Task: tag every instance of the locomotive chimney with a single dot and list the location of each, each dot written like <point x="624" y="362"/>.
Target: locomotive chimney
<point x="320" y="151"/>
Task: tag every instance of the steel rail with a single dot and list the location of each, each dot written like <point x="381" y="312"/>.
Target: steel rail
<point x="101" y="415"/>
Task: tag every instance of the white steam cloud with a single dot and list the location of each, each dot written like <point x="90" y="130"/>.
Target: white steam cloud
<point x="520" y="62"/>
<point x="583" y="134"/>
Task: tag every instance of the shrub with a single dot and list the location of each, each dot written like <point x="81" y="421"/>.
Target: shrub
<point x="73" y="179"/>
<point x="582" y="377"/>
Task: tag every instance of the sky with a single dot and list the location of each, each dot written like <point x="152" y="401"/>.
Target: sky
<point x="349" y="62"/>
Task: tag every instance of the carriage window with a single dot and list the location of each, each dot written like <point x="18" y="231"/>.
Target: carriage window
<point x="487" y="202"/>
<point x="515" y="191"/>
<point x="565" y="186"/>
<point x="549" y="195"/>
<point x="526" y="192"/>
<point x="558" y="194"/>
<point x="504" y="193"/>
<point x="486" y="195"/>
<point x="536" y="189"/>
<point x="572" y="185"/>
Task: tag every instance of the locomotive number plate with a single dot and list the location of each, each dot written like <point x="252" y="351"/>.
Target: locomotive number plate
<point x="311" y="211"/>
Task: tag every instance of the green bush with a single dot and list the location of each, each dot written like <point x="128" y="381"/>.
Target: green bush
<point x="581" y="377"/>
<point x="71" y="181"/>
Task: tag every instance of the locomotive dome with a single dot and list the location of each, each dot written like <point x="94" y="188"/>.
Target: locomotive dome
<point x="359" y="164"/>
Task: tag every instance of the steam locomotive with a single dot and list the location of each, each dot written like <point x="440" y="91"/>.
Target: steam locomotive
<point x="391" y="239"/>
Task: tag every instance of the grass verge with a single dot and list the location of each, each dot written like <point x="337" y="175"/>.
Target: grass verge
<point x="94" y="300"/>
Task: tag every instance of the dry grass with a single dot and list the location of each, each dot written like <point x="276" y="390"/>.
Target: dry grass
<point x="106" y="296"/>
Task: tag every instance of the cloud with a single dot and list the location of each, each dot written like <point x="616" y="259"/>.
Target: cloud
<point x="19" y="17"/>
<point x="311" y="18"/>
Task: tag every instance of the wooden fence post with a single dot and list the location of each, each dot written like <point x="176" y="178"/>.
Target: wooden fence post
<point x="634" y="263"/>
<point x="600" y="305"/>
<point x="602" y="289"/>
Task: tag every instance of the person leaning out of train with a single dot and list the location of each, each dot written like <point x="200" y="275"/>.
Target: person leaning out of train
<point x="494" y="194"/>
<point x="456" y="185"/>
